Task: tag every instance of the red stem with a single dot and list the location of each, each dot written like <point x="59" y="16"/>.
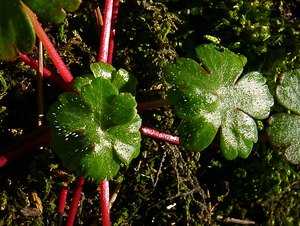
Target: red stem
<point x="106" y="30"/>
<point x="56" y="59"/>
<point x="74" y="202"/>
<point x="46" y="73"/>
<point x="62" y="202"/>
<point x="25" y="144"/>
<point x="159" y="135"/>
<point x="113" y="31"/>
<point x="104" y="196"/>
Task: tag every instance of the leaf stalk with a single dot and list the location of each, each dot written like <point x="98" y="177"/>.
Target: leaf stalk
<point x="56" y="59"/>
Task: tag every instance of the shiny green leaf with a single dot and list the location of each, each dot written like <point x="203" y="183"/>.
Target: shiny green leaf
<point x="96" y="131"/>
<point x="122" y="79"/>
<point x="211" y="95"/>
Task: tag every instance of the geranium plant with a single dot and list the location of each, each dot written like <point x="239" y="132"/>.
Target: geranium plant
<point x="210" y="95"/>
<point x="96" y="128"/>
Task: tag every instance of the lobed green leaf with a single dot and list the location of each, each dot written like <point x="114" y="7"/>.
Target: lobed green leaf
<point x="210" y="96"/>
<point x="96" y="131"/>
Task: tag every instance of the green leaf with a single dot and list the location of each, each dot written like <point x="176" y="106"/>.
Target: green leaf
<point x="101" y="69"/>
<point x="122" y="79"/>
<point x="54" y="10"/>
<point x="96" y="131"/>
<point x="288" y="92"/>
<point x="284" y="128"/>
<point x="16" y="32"/>
<point x="210" y="96"/>
<point x="284" y="132"/>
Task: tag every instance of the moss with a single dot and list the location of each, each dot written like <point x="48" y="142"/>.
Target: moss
<point x="263" y="188"/>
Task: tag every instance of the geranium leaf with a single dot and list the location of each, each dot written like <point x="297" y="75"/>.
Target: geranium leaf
<point x="97" y="130"/>
<point x="55" y="10"/>
<point x="284" y="132"/>
<point x="288" y="92"/>
<point x="211" y="95"/>
<point x="16" y="32"/>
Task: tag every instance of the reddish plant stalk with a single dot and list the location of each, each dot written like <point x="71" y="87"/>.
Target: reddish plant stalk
<point x="74" y="202"/>
<point x="106" y="30"/>
<point x="56" y="59"/>
<point x="104" y="196"/>
<point x="62" y="202"/>
<point x="25" y="144"/>
<point x="159" y="135"/>
<point x="113" y="31"/>
<point x="46" y="73"/>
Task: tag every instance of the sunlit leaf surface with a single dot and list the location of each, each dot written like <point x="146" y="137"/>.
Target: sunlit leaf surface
<point x="211" y="95"/>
